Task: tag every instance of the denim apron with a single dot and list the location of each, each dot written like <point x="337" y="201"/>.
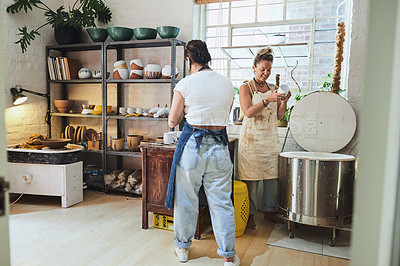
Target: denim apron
<point x="220" y="136"/>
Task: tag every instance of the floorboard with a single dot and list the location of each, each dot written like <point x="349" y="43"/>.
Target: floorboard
<point x="106" y="230"/>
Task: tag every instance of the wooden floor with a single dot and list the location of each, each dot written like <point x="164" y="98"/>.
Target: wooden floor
<point x="106" y="230"/>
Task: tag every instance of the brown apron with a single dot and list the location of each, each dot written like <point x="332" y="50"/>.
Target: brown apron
<point x="259" y="148"/>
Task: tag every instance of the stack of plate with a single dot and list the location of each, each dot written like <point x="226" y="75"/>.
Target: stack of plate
<point x="77" y="135"/>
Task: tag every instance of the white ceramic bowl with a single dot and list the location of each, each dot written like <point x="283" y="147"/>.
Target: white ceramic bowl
<point x="152" y="71"/>
<point x="120" y="74"/>
<point x="84" y="73"/>
<point x="121" y="64"/>
<point x="136" y="64"/>
<point x="283" y="89"/>
<point x="136" y="74"/>
<point x="96" y="74"/>
<point x="166" y="72"/>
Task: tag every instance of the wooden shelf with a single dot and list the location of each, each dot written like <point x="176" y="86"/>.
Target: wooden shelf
<point x="161" y="80"/>
<point x="78" y="81"/>
<point x="124" y="153"/>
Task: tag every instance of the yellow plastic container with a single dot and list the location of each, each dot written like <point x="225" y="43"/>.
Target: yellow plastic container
<point x="163" y="221"/>
<point x="242" y="206"/>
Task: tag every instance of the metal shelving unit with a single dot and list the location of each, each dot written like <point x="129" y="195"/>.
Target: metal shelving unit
<point x="104" y="48"/>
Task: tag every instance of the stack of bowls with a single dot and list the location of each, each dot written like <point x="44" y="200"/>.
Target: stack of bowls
<point x="136" y="69"/>
<point x="120" y="70"/>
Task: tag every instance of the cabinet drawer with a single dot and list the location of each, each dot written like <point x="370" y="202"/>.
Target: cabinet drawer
<point x="45" y="179"/>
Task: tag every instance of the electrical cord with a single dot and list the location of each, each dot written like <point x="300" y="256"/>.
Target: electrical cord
<point x="15" y="201"/>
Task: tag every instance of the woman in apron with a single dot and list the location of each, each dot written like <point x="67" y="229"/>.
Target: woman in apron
<point x="259" y="143"/>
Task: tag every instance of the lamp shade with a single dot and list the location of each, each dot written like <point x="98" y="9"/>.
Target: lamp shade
<point x="18" y="97"/>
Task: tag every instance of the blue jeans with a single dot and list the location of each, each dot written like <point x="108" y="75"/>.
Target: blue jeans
<point x="211" y="166"/>
<point x="269" y="195"/>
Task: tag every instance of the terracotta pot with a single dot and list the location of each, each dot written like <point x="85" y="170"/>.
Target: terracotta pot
<point x="136" y="64"/>
<point x="121" y="73"/>
<point x="136" y="74"/>
<point x="134" y="141"/>
<point x="64" y="106"/>
<point x="118" y="144"/>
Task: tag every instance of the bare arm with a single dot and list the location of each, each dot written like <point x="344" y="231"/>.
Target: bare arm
<point x="176" y="113"/>
<point x="248" y="108"/>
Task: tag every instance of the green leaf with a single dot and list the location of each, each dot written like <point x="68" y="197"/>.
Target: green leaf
<point x="26" y="38"/>
<point x="22" y="4"/>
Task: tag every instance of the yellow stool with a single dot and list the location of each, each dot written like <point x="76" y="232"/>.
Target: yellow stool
<point x="242" y="206"/>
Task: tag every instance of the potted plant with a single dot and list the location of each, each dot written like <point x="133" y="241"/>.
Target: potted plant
<point x="67" y="24"/>
<point x="327" y="83"/>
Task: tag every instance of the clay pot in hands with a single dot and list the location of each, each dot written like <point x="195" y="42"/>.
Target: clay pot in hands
<point x="166" y="72"/>
<point x="152" y="71"/>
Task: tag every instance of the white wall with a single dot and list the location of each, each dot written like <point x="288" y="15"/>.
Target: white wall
<point x="357" y="36"/>
<point x="27" y="70"/>
<point x="378" y="175"/>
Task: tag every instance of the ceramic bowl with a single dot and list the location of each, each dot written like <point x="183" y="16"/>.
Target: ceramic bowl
<point x="152" y="71"/>
<point x="64" y="106"/>
<point x="136" y="64"/>
<point x="120" y="33"/>
<point x="145" y="33"/>
<point x="168" y="31"/>
<point x="96" y="74"/>
<point x="84" y="73"/>
<point x="97" y="34"/>
<point x="55" y="143"/>
<point x="136" y="74"/>
<point x="121" y="64"/>
<point x="120" y="74"/>
<point x="87" y="106"/>
<point x="166" y="72"/>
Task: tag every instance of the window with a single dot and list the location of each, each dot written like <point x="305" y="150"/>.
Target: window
<point x="235" y="30"/>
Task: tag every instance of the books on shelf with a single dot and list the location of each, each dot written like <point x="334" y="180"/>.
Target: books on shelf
<point x="63" y="68"/>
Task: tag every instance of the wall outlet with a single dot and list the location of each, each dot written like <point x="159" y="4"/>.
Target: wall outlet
<point x="27" y="179"/>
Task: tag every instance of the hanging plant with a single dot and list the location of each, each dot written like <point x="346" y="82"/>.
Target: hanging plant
<point x="83" y="13"/>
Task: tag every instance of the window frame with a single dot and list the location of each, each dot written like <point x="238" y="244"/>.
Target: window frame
<point x="202" y="30"/>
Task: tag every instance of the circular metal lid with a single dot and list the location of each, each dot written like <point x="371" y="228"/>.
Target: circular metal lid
<point x="322" y="122"/>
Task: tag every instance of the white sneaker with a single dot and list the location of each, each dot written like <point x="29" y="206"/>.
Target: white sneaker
<point x="183" y="254"/>
<point x="236" y="262"/>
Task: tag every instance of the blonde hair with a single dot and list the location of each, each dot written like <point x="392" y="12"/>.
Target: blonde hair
<point x="264" y="54"/>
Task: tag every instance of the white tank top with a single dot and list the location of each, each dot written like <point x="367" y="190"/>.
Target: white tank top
<point x="208" y="98"/>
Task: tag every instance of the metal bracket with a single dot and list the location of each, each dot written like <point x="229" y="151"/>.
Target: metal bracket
<point x="4" y="186"/>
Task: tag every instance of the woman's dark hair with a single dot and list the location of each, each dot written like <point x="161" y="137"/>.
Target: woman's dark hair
<point x="264" y="54"/>
<point x="197" y="52"/>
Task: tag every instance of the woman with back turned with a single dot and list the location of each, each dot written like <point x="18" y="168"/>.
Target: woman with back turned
<point x="202" y="155"/>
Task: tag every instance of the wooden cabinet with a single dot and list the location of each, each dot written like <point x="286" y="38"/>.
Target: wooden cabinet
<point x="156" y="167"/>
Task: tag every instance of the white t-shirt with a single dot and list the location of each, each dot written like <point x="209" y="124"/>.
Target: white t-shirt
<point x="208" y="98"/>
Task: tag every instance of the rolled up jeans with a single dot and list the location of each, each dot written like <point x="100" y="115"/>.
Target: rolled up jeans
<point x="211" y="166"/>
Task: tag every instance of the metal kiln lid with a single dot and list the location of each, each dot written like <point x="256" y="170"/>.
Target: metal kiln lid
<point x="322" y="122"/>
